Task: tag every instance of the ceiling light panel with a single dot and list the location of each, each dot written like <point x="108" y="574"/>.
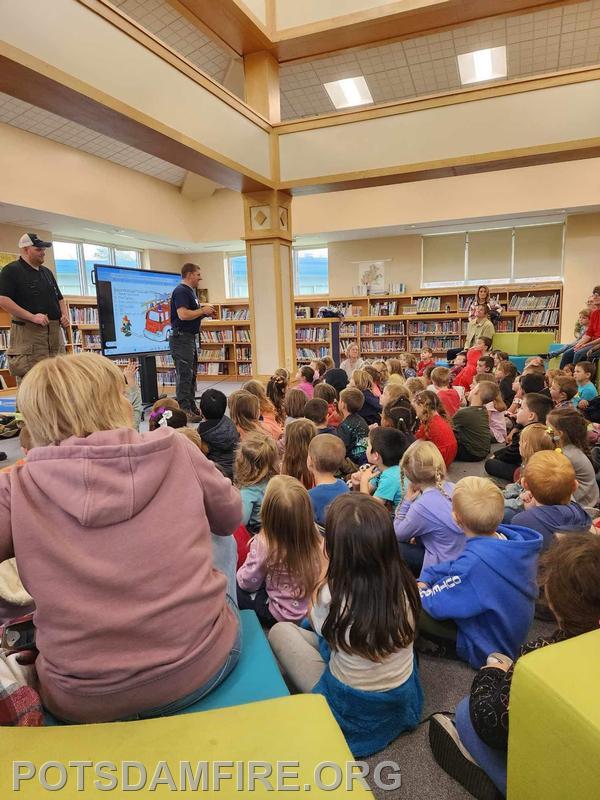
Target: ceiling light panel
<point x="482" y="65"/>
<point x="349" y="92"/>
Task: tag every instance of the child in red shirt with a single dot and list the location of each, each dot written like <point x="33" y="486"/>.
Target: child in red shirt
<point x="434" y="425"/>
<point x="440" y="379"/>
<point x="466" y="375"/>
<point x="427" y="360"/>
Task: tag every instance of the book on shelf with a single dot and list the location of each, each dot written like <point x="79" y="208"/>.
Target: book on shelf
<point x="245" y="369"/>
<point x="212" y="355"/>
<point x="435" y="327"/>
<point x="529" y="319"/>
<point x="4" y="339"/>
<point x="320" y="334"/>
<point x="83" y="315"/>
<point x="213" y="369"/>
<point x="304" y="312"/>
<point x="382" y="329"/>
<point x="504" y="326"/>
<point x="431" y="305"/>
<point x="348" y="329"/>
<point x="308" y="354"/>
<point x="384" y="308"/>
<point x="165" y="361"/>
<point x="243" y="353"/>
<point x="382" y="345"/>
<point x="209" y="337"/>
<point x="235" y="314"/>
<point x="243" y="335"/>
<point x="435" y="343"/>
<point x="533" y="302"/>
<point x="349" y="310"/>
<point x="465" y="300"/>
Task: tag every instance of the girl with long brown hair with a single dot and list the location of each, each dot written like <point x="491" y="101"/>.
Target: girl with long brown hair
<point x="285" y="559"/>
<point x="268" y="412"/>
<point x="434" y="425"/>
<point x="569" y="428"/>
<point x="366" y="609"/>
<point x="298" y="435"/>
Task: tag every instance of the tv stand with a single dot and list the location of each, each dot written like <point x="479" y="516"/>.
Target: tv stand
<point x="148" y="380"/>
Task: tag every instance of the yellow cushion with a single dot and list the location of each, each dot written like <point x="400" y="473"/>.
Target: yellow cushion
<point x="554" y="731"/>
<point x="297" y="729"/>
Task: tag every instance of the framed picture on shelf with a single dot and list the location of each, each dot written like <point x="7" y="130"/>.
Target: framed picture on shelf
<point x="372" y="275"/>
<point x="203" y="295"/>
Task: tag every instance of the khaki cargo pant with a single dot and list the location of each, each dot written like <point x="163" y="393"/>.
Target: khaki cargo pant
<point x="30" y="343"/>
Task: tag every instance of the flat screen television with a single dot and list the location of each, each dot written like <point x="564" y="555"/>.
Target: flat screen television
<point x="134" y="310"/>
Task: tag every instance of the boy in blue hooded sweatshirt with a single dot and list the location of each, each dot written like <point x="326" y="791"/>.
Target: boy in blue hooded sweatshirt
<point x="549" y="482"/>
<point x="486" y="597"/>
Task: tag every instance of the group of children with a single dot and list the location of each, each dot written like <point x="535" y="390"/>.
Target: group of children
<point x="348" y="513"/>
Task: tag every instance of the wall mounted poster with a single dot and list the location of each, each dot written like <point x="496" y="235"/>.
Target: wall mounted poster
<point x="372" y="275"/>
<point x="6" y="258"/>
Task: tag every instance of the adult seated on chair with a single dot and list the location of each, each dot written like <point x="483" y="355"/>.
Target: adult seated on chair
<point x="111" y="530"/>
<point x="590" y="341"/>
<point x="480" y="327"/>
<point x="494" y="310"/>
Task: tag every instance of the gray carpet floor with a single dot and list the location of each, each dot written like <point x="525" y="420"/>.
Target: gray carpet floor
<point x="444" y="683"/>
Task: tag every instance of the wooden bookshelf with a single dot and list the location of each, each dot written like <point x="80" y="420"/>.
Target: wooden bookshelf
<point x="384" y="325"/>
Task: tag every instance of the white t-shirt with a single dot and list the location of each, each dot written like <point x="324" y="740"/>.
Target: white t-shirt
<point x="359" y="672"/>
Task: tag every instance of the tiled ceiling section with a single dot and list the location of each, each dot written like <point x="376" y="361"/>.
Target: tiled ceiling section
<point x="543" y="41"/>
<point x="173" y="29"/>
<point x="51" y="126"/>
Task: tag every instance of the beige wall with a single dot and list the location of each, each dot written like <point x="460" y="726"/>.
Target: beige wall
<point x="9" y="240"/>
<point x="213" y="273"/>
<point x="582" y="267"/>
<point x="291" y="13"/>
<point x="403" y="266"/>
<point x="162" y="260"/>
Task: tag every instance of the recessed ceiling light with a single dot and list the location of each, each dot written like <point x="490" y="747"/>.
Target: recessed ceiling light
<point x="482" y="65"/>
<point x="349" y="92"/>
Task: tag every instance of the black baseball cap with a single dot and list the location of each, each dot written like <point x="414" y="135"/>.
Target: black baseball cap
<point x="32" y="240"/>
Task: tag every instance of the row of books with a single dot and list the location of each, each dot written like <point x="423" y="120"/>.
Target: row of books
<point x="84" y="315"/>
<point x="312" y="334"/>
<point x="428" y="304"/>
<point x="382" y="329"/>
<point x="213" y="369"/>
<point x="433" y="327"/>
<point x="238" y="313"/>
<point x="384" y="308"/>
<point x="382" y="345"/>
<point x="436" y="343"/>
<point x="165" y="361"/>
<point x="244" y="369"/>
<point x="243" y="353"/>
<point x="216" y="336"/>
<point x="533" y="302"/>
<point x="535" y="318"/>
<point x="242" y="335"/>
<point x="307" y="354"/>
<point x="505" y="326"/>
<point x="348" y="329"/>
<point x="465" y="301"/>
<point x="212" y="355"/>
<point x="4" y="339"/>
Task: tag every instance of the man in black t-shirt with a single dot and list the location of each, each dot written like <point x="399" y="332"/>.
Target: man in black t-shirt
<point x="186" y="314"/>
<point x="30" y="294"/>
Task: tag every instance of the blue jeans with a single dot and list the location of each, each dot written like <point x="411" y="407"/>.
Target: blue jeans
<point x="224" y="554"/>
<point x="574" y="356"/>
<point x="491" y="761"/>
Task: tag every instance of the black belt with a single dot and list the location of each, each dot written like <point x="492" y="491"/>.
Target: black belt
<point x="21" y="322"/>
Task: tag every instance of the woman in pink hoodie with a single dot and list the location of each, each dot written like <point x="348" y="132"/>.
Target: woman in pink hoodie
<point x="111" y="530"/>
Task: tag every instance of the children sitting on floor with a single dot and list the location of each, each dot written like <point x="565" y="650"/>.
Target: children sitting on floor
<point x="217" y="431"/>
<point x="408" y="365"/>
<point x="370" y="410"/>
<point x="505" y="374"/>
<point x="471" y="426"/>
<point x="533" y="438"/>
<point x="460" y="361"/>
<point x="268" y="414"/>
<point x="382" y="478"/>
<point x="324" y="391"/>
<point x="316" y="411"/>
<point x="423" y="523"/>
<point x="569" y="576"/>
<point x="434" y="425"/>
<point x="244" y="409"/>
<point x="295" y="402"/>
<point x="164" y="404"/>
<point x="285" y="559"/>
<point x="495" y="405"/>
<point x="440" y="380"/>
<point x="306" y="377"/>
<point x="365" y="610"/>
<point x="167" y="418"/>
<point x="483" y="602"/>
<point x="325" y="457"/>
<point x="427" y="360"/>
<point x="276" y="389"/>
<point x="582" y="372"/>
<point x="570" y="428"/>
<point x="353" y="430"/>
<point x="549" y="483"/>
<point x="376" y="387"/>
<point x="503" y="463"/>
<point x="414" y="386"/>
<point x="563" y="389"/>
<point x="485" y="364"/>
<point x="256" y="462"/>
<point x="298" y="436"/>
<point x="474" y="355"/>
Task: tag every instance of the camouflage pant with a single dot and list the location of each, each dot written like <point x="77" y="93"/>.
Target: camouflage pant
<point x="30" y="343"/>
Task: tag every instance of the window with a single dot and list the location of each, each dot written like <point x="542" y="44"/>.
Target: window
<point x="311" y="271"/>
<point x="236" y="275"/>
<point x="75" y="264"/>
<point x="497" y="255"/>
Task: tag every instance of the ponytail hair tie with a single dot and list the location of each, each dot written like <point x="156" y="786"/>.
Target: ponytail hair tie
<point x="550" y="430"/>
<point x="558" y="449"/>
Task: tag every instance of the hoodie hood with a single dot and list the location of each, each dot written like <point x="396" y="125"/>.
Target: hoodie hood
<point x="548" y="520"/>
<point x="223" y="436"/>
<point x="105" y="478"/>
<point x="511" y="558"/>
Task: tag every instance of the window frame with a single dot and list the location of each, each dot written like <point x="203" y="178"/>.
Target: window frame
<point x="295" y="263"/>
<point x="85" y="282"/>
<point x="229" y="279"/>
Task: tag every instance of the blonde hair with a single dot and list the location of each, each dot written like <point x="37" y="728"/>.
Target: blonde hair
<point x="478" y="504"/>
<point x="533" y="438"/>
<point x="294" y="544"/>
<point x="256" y="388"/>
<point x="393" y="392"/>
<point x="327" y="452"/>
<point x="394" y="366"/>
<point x="244" y="409"/>
<point x="550" y="477"/>
<point x="73" y="395"/>
<point x="362" y="380"/>
<point x="395" y="379"/>
<point x="256" y="460"/>
<point x="298" y="435"/>
<point x="424" y="465"/>
<point x="193" y="436"/>
<point x="414" y="386"/>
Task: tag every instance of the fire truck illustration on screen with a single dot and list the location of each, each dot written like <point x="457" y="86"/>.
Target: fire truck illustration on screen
<point x="158" y="318"/>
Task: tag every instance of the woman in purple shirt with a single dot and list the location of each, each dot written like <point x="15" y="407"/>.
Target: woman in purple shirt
<point x="425" y="513"/>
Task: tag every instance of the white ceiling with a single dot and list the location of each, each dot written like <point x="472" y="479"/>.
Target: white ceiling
<point x="543" y="41"/>
<point x="51" y="126"/>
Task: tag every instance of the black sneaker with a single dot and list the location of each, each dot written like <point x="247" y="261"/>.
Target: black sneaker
<point x="3" y="455"/>
<point x="455" y="759"/>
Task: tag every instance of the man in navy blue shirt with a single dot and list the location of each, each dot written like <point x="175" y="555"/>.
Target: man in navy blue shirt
<point x="186" y="314"/>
